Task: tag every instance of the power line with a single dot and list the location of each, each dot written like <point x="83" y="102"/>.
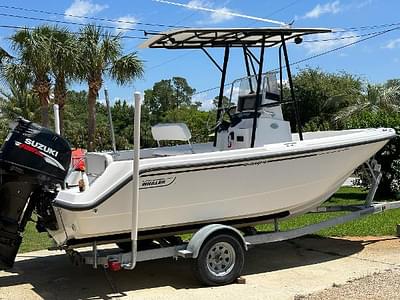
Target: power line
<point x="68" y="22"/>
<point x="73" y="32"/>
<point x="283" y="8"/>
<point x="343" y="37"/>
<point x="278" y="10"/>
<point x="358" y="28"/>
<point x="88" y="18"/>
<point x="344" y="46"/>
<point x="368" y="27"/>
<point x="170" y="60"/>
<point x="142" y="30"/>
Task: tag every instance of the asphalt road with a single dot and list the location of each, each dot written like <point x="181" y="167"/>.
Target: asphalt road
<point x="281" y="270"/>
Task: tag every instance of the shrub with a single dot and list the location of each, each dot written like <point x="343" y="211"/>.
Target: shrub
<point x="389" y="156"/>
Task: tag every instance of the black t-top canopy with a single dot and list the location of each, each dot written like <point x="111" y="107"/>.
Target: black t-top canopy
<point x="194" y="38"/>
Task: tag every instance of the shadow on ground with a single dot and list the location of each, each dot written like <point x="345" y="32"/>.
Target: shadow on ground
<point x="56" y="277"/>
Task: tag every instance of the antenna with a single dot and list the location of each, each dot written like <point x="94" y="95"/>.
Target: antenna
<point x="220" y="11"/>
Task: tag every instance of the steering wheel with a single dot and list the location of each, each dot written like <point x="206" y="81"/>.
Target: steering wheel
<point x="230" y="111"/>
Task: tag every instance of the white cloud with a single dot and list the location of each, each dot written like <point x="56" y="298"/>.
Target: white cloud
<point x="206" y="100"/>
<point x="392" y="44"/>
<point x="328" y="41"/>
<point x="198" y="3"/>
<point x="83" y="8"/>
<point x="220" y="15"/>
<point x="125" y="23"/>
<point x="321" y="9"/>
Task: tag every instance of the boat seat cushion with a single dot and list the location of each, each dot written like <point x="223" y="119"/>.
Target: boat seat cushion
<point x="171" y="132"/>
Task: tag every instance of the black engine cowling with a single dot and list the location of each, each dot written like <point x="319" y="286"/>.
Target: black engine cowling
<point x="34" y="161"/>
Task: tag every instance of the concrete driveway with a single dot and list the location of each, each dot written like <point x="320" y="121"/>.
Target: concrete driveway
<point x="274" y="271"/>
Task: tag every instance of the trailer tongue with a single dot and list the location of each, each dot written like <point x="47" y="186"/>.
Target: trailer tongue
<point x="34" y="161"/>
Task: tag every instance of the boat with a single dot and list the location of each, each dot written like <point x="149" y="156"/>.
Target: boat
<point x="254" y="171"/>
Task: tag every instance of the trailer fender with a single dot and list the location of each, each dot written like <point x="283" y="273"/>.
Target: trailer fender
<point x="205" y="232"/>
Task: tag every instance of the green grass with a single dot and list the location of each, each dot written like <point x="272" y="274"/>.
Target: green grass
<point x="33" y="240"/>
<point x="374" y="225"/>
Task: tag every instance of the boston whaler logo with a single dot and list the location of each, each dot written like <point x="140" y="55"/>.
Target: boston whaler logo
<point x="157" y="182"/>
<point x="40" y="150"/>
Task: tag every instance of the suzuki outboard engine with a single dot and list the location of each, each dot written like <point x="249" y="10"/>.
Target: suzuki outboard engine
<point x="34" y="162"/>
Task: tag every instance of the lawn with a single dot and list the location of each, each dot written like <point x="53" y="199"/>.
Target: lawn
<point x="33" y="240"/>
<point x="375" y="225"/>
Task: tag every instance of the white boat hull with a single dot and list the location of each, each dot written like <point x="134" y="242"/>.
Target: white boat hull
<point x="276" y="180"/>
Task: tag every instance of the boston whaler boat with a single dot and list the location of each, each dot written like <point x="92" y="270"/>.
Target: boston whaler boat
<point x="255" y="171"/>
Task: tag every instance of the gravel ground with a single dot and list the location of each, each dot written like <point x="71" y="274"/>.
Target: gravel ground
<point x="385" y="285"/>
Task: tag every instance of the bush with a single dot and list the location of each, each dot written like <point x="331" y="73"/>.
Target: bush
<point x="389" y="156"/>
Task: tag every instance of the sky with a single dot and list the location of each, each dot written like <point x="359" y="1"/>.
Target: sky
<point x="375" y="60"/>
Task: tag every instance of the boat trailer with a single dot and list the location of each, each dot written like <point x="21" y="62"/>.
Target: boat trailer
<point x="218" y="250"/>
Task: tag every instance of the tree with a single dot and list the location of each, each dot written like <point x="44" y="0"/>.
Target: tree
<point x="195" y="119"/>
<point x="16" y="102"/>
<point x="392" y="83"/>
<point x="33" y="52"/>
<point x="167" y="94"/>
<point x="16" y="96"/>
<point x="389" y="156"/>
<point x="4" y="56"/>
<point x="101" y="55"/>
<point x="76" y="119"/>
<point x="376" y="98"/>
<point x="64" y="65"/>
<point x="322" y="95"/>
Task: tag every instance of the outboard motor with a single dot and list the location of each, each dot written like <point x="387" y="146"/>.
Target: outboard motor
<point x="34" y="162"/>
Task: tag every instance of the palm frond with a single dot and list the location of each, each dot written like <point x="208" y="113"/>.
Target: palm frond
<point x="126" y="68"/>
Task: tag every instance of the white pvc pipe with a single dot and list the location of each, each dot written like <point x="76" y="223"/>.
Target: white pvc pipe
<point x="135" y="178"/>
<point x="56" y="118"/>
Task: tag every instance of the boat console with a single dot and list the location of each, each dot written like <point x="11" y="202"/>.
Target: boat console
<point x="271" y="127"/>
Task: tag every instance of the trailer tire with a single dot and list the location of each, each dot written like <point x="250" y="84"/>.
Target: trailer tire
<point x="220" y="260"/>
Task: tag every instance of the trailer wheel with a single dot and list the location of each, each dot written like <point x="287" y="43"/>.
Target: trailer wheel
<point x="220" y="260"/>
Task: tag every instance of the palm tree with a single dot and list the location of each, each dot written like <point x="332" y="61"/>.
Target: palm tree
<point x="64" y="65"/>
<point x="15" y="102"/>
<point x="101" y="55"/>
<point x="16" y="98"/>
<point x="377" y="98"/>
<point x="33" y="52"/>
<point x="4" y="56"/>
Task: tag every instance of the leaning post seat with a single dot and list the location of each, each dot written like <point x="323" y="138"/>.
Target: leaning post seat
<point x="171" y="132"/>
